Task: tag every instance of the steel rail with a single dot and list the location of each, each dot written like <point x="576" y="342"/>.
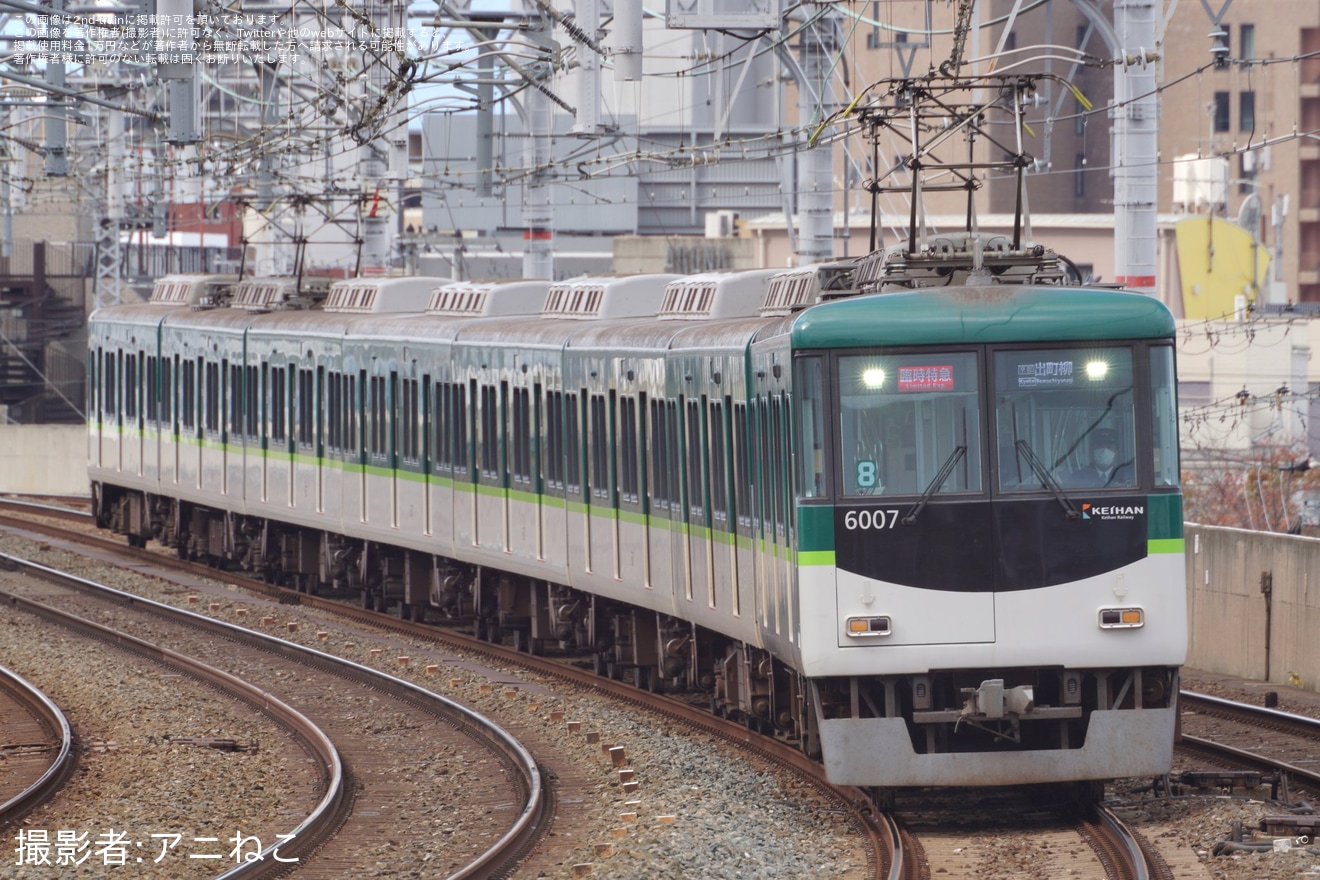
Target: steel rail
<point x="497" y="860"/>
<point x="52" y="719"/>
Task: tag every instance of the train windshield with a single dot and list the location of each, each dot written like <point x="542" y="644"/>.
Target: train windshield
<point x="1065" y="418"/>
<point x="910" y="424"/>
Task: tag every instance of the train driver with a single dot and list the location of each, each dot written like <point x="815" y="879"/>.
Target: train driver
<point x="1104" y="469"/>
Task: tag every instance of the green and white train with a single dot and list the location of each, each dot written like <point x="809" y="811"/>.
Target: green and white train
<point x="851" y="519"/>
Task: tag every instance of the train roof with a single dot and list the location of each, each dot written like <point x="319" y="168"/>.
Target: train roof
<point x="715" y="295"/>
<point x="375" y="295"/>
<point x="979" y="314"/>
<point x="486" y="299"/>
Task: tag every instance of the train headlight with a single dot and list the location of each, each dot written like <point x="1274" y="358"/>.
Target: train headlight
<point x="1096" y="370"/>
<point x="863" y="627"/>
<point x="1122" y="618"/>
<point x="873" y="377"/>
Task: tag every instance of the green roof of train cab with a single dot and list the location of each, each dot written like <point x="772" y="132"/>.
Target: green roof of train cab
<point x="991" y="314"/>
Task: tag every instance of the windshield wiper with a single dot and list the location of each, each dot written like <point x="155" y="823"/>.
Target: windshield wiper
<point x="949" y="464"/>
<point x="1041" y="471"/>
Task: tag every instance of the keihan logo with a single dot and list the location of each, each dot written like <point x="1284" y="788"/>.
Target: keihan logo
<point x="1090" y="511"/>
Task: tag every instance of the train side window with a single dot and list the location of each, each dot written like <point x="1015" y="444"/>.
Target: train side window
<point x="554" y="439"/>
<point x="628" y="478"/>
<point x="320" y="409"/>
<point x="409" y="421"/>
<point x="188" y="395"/>
<point x="352" y="415"/>
<point x="265" y="401"/>
<point x="306" y="408"/>
<point x="742" y="461"/>
<point x="441" y="428"/>
<point x="572" y="445"/>
<point x="1164" y="416"/>
<point x="534" y="452"/>
<point x="252" y="406"/>
<point x="236" y="400"/>
<point x="765" y="467"/>
<point x="464" y="419"/>
<point x="334" y="419"/>
<point x="488" y="439"/>
<point x="659" y="457"/>
<point x="426" y="417"/>
<point x="211" y="399"/>
<point x="598" y="476"/>
<point x="130" y="387"/>
<point x="695" y="461"/>
<point x="167" y="391"/>
<point x="152" y="404"/>
<point x="108" y="395"/>
<point x="810" y="385"/>
<point x="376" y="434"/>
<point x="719" y="507"/>
<point x="93" y="381"/>
<point x="276" y="398"/>
<point x="778" y="462"/>
<point x="640" y="444"/>
<point x="521" y="470"/>
<point x="673" y="453"/>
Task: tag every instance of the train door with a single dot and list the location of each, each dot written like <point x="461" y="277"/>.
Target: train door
<point x="250" y="466"/>
<point x="174" y="395"/>
<point x="601" y="536"/>
<point x="378" y="489"/>
<point x="741" y="515"/>
<point x="392" y="444"/>
<point x="464" y="428"/>
<point x="554" y="526"/>
<point x="410" y="489"/>
<point x="722" y="561"/>
<point x="780" y="407"/>
<point x="114" y="397"/>
<point x="360" y="446"/>
<point x="319" y="439"/>
<point x="667" y="569"/>
<point x="763" y="524"/>
<point x="523" y="509"/>
<point x="631" y="492"/>
<point x="428" y="453"/>
<point x="657" y="507"/>
<point x="700" y="587"/>
<point x="151" y="417"/>
<point x="228" y="394"/>
<point x="576" y="495"/>
<point x="94" y="407"/>
<point x="133" y="388"/>
<point x="491" y="497"/>
<point x="266" y="433"/>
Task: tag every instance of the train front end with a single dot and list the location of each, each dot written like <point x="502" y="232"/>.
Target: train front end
<point x="990" y="570"/>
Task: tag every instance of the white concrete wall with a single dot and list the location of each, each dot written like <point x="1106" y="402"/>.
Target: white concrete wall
<point x="44" y="459"/>
<point x="1227" y="613"/>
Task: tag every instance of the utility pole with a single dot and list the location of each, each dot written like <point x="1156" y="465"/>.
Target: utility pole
<point x="815" y="157"/>
<point x="538" y="233"/>
<point x="1136" y="145"/>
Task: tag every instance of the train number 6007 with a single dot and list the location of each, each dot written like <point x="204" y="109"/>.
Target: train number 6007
<point x="870" y="519"/>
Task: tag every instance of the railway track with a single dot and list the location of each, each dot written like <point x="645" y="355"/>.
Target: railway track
<point x="882" y="839"/>
<point x="380" y="725"/>
<point x="36" y="744"/>
<point x="1279" y="741"/>
<point x="971" y="834"/>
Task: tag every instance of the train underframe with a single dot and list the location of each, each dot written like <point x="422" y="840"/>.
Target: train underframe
<point x="947" y="712"/>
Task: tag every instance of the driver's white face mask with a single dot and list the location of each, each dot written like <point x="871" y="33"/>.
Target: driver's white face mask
<point x="1103" y="458"/>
